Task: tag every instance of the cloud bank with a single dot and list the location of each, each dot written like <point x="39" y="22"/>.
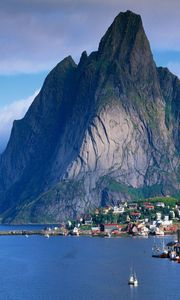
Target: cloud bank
<point x="8" y="114"/>
<point x="37" y="34"/>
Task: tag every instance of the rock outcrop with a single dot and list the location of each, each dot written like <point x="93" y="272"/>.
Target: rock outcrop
<point x="100" y="131"/>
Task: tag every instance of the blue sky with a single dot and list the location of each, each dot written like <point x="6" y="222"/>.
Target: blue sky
<point x="35" y="35"/>
<point x="19" y="86"/>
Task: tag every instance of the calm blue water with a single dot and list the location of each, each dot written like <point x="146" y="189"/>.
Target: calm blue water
<point x="84" y="268"/>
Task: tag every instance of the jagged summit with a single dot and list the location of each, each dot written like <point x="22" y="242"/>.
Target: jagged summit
<point x="126" y="49"/>
<point x="122" y="35"/>
<point x="103" y="130"/>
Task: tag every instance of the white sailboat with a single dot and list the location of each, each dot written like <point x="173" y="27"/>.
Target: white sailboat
<point x="159" y="251"/>
<point x="133" y="279"/>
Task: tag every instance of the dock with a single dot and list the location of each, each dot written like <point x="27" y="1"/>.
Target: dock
<point x="30" y="232"/>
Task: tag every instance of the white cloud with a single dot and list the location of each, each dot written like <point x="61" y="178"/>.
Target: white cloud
<point x="11" y="112"/>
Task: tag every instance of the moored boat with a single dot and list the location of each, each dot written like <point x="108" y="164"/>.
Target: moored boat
<point x="159" y="251"/>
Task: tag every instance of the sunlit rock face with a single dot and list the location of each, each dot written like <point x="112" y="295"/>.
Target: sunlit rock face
<point x="96" y="133"/>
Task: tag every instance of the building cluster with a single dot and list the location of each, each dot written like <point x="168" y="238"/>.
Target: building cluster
<point x="137" y="218"/>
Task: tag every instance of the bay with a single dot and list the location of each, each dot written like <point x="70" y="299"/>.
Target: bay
<point x="74" y="268"/>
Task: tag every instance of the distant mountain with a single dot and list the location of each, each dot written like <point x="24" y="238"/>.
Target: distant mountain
<point x="103" y="130"/>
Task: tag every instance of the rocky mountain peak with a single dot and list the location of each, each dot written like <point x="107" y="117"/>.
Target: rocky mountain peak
<point x="125" y="48"/>
<point x="105" y="130"/>
<point x="124" y="35"/>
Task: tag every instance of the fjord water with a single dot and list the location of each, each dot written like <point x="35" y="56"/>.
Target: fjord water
<point x="73" y="268"/>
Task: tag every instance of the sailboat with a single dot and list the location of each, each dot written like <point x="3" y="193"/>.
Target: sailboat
<point x="133" y="279"/>
<point x="164" y="253"/>
<point x="159" y="251"/>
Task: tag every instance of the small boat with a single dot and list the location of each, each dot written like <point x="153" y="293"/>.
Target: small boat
<point x="133" y="279"/>
<point x="26" y="235"/>
<point x="173" y="255"/>
<point x="178" y="260"/>
<point x="159" y="251"/>
<point x="108" y="235"/>
<point x="75" y="231"/>
<point x="46" y="235"/>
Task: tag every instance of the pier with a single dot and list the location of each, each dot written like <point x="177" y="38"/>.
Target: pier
<point x="30" y="232"/>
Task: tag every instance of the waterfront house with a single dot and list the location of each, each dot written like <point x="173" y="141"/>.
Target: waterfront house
<point x="108" y="228"/>
<point x="156" y="229"/>
<point x="142" y="229"/>
<point x="170" y="228"/>
<point x="75" y="231"/>
<point x="95" y="229"/>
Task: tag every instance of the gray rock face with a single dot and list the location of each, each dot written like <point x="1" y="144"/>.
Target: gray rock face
<point x="95" y="133"/>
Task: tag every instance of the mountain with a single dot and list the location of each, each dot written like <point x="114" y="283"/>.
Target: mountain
<point x="103" y="130"/>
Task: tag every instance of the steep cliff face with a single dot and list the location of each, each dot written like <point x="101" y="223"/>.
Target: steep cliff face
<point x="170" y="87"/>
<point x="101" y="131"/>
<point x="33" y="139"/>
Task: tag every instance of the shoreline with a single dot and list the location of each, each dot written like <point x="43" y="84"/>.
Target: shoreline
<point x="48" y="233"/>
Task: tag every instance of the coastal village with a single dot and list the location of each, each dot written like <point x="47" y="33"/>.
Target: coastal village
<point x="156" y="216"/>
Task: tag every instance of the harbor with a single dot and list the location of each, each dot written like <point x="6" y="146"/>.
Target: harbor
<point x="171" y="250"/>
<point x="129" y="229"/>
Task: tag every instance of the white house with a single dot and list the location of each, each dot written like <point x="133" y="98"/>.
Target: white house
<point x="158" y="216"/>
<point x="118" y="209"/>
